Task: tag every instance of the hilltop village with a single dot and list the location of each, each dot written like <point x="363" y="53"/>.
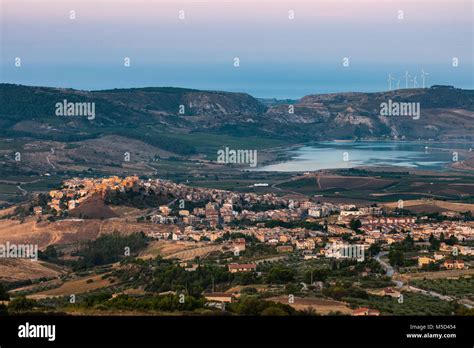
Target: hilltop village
<point x="204" y="214"/>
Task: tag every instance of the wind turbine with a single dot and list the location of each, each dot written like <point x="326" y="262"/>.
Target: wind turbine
<point x="398" y="84"/>
<point x="407" y="76"/>
<point x="390" y="78"/>
<point x="423" y="74"/>
<point x="415" y="83"/>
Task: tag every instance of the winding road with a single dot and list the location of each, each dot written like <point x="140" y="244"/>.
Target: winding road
<point x="48" y="160"/>
<point x="390" y="272"/>
<point x="23" y="191"/>
<point x="388" y="269"/>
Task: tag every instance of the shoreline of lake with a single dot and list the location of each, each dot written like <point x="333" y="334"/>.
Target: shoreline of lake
<point x="413" y="155"/>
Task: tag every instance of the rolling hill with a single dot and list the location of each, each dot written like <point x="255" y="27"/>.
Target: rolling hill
<point x="157" y="116"/>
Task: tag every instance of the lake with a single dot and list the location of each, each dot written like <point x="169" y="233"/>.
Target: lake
<point x="338" y="154"/>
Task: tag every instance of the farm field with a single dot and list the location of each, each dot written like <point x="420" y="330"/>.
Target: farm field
<point x="464" y="286"/>
<point x="386" y="187"/>
<point x="424" y="205"/>
<point x="180" y="250"/>
<point x="413" y="304"/>
<point x="75" y="286"/>
<point x="439" y="274"/>
<point x="20" y="269"/>
<point x="320" y="305"/>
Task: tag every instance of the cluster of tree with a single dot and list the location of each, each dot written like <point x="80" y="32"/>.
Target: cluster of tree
<point x="251" y="305"/>
<point x="449" y="241"/>
<point x="314" y="226"/>
<point x="434" y="243"/>
<point x="408" y="244"/>
<point x="245" y="278"/>
<point x="352" y="267"/>
<point x="261" y="207"/>
<point x="439" y="217"/>
<point x="91" y="300"/>
<point x="431" y="266"/>
<point x="404" y="212"/>
<point x="280" y="275"/>
<point x="235" y="235"/>
<point x="372" y="282"/>
<point x="462" y="310"/>
<point x="374" y="249"/>
<point x="468" y="216"/>
<point x="413" y="304"/>
<point x="109" y="248"/>
<point x="160" y="275"/>
<point x="50" y="254"/>
<point x="3" y="293"/>
<point x="355" y="225"/>
<point x="396" y="255"/>
<point x="138" y="199"/>
<point x="341" y="291"/>
<point x="41" y="200"/>
<point x="259" y="249"/>
<point x="167" y="276"/>
<point x="317" y="275"/>
<point x="22" y="211"/>
<point x="168" y="303"/>
<point x="21" y="304"/>
<point x="165" y="303"/>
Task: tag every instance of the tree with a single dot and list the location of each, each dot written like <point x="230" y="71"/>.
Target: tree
<point x="49" y="253"/>
<point x="249" y="291"/>
<point x="251" y="305"/>
<point x="272" y="311"/>
<point x="396" y="258"/>
<point x="355" y="225"/>
<point x="245" y="278"/>
<point x="280" y="275"/>
<point x="21" y="304"/>
<point x="408" y="243"/>
<point x="3" y="293"/>
<point x="291" y="288"/>
<point x="374" y="249"/>
<point x="451" y="240"/>
<point x="435" y="243"/>
<point x="319" y="274"/>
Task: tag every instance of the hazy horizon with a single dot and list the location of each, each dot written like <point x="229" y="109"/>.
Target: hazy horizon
<point x="279" y="57"/>
<point x="218" y="90"/>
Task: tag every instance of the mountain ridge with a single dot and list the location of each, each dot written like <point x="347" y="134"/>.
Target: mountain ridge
<point x="143" y="113"/>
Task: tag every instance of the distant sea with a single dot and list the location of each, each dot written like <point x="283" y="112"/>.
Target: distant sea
<point x="335" y="155"/>
<point x="270" y="80"/>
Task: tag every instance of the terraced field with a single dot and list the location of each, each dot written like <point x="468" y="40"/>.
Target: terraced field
<point x="181" y="250"/>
